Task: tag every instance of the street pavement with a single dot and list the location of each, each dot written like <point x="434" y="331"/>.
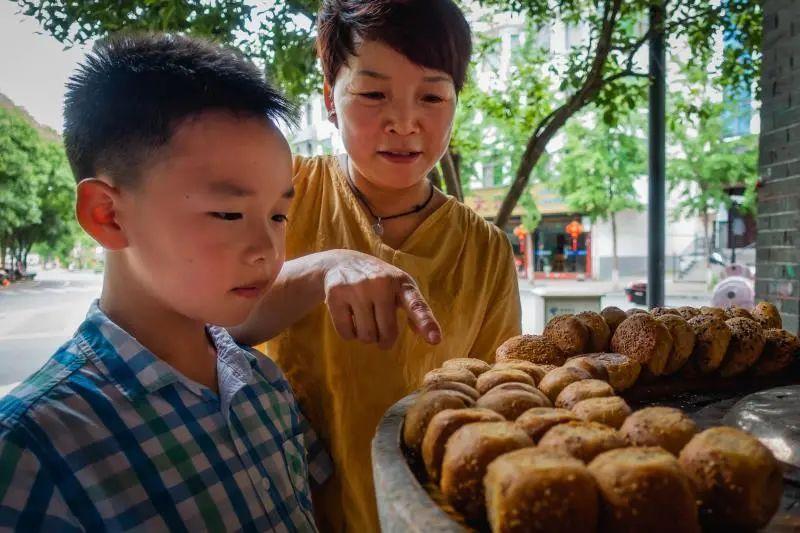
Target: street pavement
<point x="36" y="317"/>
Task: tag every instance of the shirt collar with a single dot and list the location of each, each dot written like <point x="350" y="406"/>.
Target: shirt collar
<point x="136" y="371"/>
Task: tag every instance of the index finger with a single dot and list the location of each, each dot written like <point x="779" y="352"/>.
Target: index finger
<point x="419" y="314"/>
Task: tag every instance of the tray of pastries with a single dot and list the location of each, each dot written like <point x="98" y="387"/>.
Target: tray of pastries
<point x="590" y="427"/>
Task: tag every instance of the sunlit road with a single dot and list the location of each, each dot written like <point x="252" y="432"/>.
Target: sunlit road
<point x="36" y="317"/>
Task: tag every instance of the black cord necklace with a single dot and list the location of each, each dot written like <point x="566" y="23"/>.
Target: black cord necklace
<point x="377" y="227"/>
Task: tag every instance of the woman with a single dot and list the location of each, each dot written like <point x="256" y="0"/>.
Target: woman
<point x="393" y="70"/>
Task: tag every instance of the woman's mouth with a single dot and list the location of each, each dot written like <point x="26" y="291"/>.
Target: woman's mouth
<point x="401" y="157"/>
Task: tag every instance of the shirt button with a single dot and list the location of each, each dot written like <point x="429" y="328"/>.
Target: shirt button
<point x="265" y="484"/>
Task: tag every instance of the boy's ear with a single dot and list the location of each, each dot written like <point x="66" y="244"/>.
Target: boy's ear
<point x="327" y="93"/>
<point x="96" y="208"/>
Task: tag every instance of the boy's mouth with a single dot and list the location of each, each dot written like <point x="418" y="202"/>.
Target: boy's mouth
<point x="251" y="290"/>
<point x="399" y="156"/>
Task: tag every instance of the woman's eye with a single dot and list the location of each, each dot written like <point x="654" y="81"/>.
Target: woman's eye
<point x="372" y="95"/>
<point x="280" y="218"/>
<point x="432" y="98"/>
<point x="226" y="216"/>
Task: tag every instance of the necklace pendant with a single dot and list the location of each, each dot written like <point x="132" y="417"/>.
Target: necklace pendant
<point x="377" y="227"/>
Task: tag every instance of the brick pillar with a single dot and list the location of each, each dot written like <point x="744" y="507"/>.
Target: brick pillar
<point x="778" y="244"/>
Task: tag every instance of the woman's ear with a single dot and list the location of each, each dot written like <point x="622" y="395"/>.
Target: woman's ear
<point x="97" y="207"/>
<point x="327" y="93"/>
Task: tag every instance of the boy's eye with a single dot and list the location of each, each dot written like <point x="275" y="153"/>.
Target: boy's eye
<point x="226" y="216"/>
<point x="372" y="95"/>
<point x="280" y="218"/>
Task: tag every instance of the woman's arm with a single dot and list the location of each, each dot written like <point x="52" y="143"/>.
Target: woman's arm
<point x="362" y="294"/>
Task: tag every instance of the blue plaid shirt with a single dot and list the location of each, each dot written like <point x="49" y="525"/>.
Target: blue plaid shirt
<point x="108" y="437"/>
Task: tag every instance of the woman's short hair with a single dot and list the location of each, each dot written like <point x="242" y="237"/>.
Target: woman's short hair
<point x="430" y="33"/>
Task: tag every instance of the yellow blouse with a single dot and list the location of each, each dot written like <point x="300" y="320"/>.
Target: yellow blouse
<point x="464" y="267"/>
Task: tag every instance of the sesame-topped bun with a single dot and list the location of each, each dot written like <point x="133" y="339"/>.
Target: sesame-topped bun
<point x="599" y="332"/>
<point x="614" y="316"/>
<point x="781" y="349"/>
<point x="468" y="453"/>
<point x="736" y="479"/>
<point x="541" y="491"/>
<point x="535" y="371"/>
<point x="538" y="421"/>
<point x="683" y="340"/>
<point x="476" y="366"/>
<point x="492" y="378"/>
<point x="766" y="314"/>
<point x="645" y="339"/>
<point x="441" y="428"/>
<point x="424" y="408"/>
<point x="569" y="333"/>
<point x="712" y="337"/>
<point x="532" y="348"/>
<point x="462" y="375"/>
<point x="644" y="490"/>
<point x="659" y="426"/>
<point x="747" y="343"/>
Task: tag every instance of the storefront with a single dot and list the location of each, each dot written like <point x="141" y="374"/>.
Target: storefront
<point x="559" y="248"/>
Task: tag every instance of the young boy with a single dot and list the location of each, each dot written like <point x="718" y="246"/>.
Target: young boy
<point x="149" y="418"/>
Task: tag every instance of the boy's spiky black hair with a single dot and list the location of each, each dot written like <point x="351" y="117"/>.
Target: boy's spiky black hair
<point x="130" y="93"/>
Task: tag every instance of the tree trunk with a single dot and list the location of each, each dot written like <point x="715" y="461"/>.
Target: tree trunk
<point x="435" y="177"/>
<point x="450" y="174"/>
<point x="550" y="125"/>
<point x="615" y="255"/>
<point x="706" y="241"/>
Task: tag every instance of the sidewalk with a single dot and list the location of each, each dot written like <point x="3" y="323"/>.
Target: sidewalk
<point x="672" y="289"/>
<point x="677" y="294"/>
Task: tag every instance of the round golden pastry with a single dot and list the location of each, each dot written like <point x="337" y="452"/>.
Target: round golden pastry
<point x="735" y="311"/>
<point x="537" y="372"/>
<point x="659" y="426"/>
<point x="532" y="348"/>
<point x="712" y="336"/>
<point x="623" y="371"/>
<point x="599" y="332"/>
<point x="492" y="378"/>
<point x="582" y="440"/>
<point x="614" y="316"/>
<point x="555" y="380"/>
<point x="467" y="455"/>
<point x="736" y="478"/>
<point x="582" y="390"/>
<point x="781" y="349"/>
<point x="688" y="312"/>
<point x="540" y="491"/>
<point x="747" y="343"/>
<point x="645" y="339"/>
<point x="635" y="311"/>
<point x="569" y="334"/>
<point x="512" y="403"/>
<point x="594" y="367"/>
<point x="537" y="421"/>
<point x="441" y="428"/>
<point x="610" y="410"/>
<point x="644" y="490"/>
<point x="515" y="385"/>
<point x="462" y="375"/>
<point x="453" y="385"/>
<point x="683" y="340"/>
<point x="424" y="408"/>
<point x="717" y="312"/>
<point x="661" y="311"/>
<point x="474" y="365"/>
<point x="766" y="314"/>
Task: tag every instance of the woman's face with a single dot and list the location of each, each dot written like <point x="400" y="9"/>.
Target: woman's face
<point x="395" y="116"/>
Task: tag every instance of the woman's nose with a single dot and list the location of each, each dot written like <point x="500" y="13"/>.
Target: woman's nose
<point x="402" y="120"/>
